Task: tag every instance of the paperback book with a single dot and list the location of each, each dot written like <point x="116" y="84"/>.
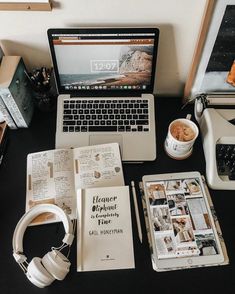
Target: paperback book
<point x="104" y="230"/>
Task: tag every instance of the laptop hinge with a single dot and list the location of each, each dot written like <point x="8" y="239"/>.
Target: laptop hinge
<point x="107" y="94"/>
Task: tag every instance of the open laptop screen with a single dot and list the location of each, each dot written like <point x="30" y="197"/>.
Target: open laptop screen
<point x="104" y="60"/>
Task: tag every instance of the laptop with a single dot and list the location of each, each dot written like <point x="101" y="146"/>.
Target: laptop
<point x="105" y="79"/>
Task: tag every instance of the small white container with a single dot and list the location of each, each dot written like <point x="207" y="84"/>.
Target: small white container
<point x="180" y="149"/>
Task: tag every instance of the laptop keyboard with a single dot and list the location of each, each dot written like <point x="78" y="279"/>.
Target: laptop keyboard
<point x="111" y="115"/>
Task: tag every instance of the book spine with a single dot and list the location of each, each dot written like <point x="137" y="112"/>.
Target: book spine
<point x="3" y="139"/>
<point x="12" y="107"/>
<point x="6" y="115"/>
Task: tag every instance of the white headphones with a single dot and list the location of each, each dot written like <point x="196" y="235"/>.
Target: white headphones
<point x="54" y="265"/>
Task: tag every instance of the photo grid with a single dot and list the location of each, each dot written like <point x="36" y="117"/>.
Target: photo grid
<point x="180" y="219"/>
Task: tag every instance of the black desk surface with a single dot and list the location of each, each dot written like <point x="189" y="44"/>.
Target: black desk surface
<point x="38" y="240"/>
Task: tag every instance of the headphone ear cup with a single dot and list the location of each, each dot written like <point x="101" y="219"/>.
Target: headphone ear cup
<point x="56" y="264"/>
<point x="37" y="274"/>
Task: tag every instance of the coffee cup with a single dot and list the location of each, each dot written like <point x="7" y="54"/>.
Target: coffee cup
<point x="180" y="138"/>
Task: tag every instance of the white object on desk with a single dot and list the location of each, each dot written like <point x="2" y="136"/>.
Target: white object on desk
<point x="136" y="211"/>
<point x="104" y="229"/>
<point x="53" y="265"/>
<point x="216" y="129"/>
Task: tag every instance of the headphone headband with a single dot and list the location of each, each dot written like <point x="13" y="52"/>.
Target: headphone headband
<point x="17" y="241"/>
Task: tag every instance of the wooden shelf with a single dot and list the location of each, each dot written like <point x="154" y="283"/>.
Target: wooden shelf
<point x="28" y="6"/>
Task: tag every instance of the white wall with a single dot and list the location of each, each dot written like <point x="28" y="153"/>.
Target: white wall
<point x="24" y="32"/>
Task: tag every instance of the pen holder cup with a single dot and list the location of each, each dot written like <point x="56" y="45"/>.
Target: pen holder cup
<point x="45" y="100"/>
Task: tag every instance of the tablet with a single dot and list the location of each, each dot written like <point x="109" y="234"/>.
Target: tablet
<point x="182" y="229"/>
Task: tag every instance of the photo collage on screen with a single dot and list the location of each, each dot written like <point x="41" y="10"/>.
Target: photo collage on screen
<point x="180" y="219"/>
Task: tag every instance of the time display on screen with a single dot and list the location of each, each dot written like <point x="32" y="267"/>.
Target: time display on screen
<point x="104" y="66"/>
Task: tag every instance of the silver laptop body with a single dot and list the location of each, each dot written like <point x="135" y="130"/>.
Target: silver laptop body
<point x="99" y="71"/>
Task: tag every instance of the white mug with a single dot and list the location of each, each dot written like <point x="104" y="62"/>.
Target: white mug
<point x="183" y="147"/>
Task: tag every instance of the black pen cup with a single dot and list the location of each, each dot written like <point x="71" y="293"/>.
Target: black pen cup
<point x="45" y="97"/>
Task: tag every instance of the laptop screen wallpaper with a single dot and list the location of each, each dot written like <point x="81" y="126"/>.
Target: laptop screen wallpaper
<point x="104" y="61"/>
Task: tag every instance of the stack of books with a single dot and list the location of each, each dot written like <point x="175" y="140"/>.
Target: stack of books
<point x="16" y="98"/>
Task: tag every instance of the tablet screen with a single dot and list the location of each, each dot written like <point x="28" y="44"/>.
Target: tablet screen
<point x="181" y="222"/>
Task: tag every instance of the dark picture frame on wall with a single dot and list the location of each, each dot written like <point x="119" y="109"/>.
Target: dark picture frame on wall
<point x="213" y="67"/>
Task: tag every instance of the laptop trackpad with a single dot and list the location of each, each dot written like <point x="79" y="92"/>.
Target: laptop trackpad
<point x="103" y="139"/>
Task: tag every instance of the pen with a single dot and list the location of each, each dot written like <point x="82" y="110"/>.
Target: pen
<point x="136" y="211"/>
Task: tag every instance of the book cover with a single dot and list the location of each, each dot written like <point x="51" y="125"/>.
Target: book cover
<point x="6" y="116"/>
<point x="104" y="231"/>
